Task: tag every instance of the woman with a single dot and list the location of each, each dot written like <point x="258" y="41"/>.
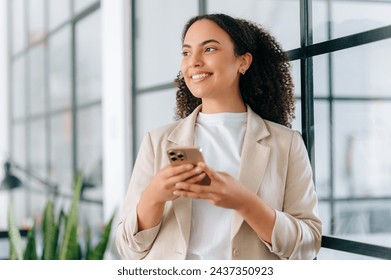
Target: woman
<point x="235" y="100"/>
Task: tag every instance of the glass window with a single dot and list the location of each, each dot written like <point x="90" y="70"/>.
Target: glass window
<point x="18" y="25"/>
<point x="296" y="123"/>
<point x="349" y="17"/>
<point x="60" y="83"/>
<point x="89" y="147"/>
<point x="159" y="39"/>
<point x="88" y="59"/>
<point x="362" y="140"/>
<point x="153" y="110"/>
<point x="38" y="160"/>
<point x="364" y="221"/>
<point x="19" y="143"/>
<point x="363" y="71"/>
<point x="37" y="80"/>
<point x="296" y="76"/>
<point x="322" y="65"/>
<point x="79" y="5"/>
<point x="18" y="96"/>
<point x="320" y="20"/>
<point x="322" y="148"/>
<point x="36" y="20"/>
<point x="276" y="16"/>
<point x="59" y="12"/>
<point x="61" y="157"/>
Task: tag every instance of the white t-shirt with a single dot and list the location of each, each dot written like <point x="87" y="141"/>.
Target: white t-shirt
<point x="220" y="136"/>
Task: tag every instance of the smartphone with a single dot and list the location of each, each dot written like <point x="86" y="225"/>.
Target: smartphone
<point x="187" y="154"/>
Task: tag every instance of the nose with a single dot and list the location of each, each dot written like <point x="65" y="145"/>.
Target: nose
<point x="195" y="60"/>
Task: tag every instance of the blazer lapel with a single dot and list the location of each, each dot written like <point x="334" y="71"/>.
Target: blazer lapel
<point x="183" y="135"/>
<point x="254" y="160"/>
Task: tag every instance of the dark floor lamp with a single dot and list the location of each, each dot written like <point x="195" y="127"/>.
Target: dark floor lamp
<point x="10" y="181"/>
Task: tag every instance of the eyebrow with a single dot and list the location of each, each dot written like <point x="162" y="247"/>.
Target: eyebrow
<point x="203" y="43"/>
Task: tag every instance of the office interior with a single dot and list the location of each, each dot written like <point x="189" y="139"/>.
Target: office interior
<point x="81" y="81"/>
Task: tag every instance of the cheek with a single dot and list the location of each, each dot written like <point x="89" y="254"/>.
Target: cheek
<point x="183" y="66"/>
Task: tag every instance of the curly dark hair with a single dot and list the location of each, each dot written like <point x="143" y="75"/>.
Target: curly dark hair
<point x="267" y="86"/>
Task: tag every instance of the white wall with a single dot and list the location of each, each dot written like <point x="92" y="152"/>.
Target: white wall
<point x="3" y="106"/>
<point x="115" y="102"/>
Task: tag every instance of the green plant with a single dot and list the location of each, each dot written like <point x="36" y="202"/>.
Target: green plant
<point x="60" y="238"/>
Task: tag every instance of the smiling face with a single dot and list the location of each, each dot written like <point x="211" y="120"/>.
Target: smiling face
<point x="209" y="65"/>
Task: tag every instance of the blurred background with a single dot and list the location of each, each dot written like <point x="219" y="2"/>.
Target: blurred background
<point x="81" y="81"/>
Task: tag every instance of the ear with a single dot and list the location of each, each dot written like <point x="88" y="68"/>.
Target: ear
<point x="245" y="62"/>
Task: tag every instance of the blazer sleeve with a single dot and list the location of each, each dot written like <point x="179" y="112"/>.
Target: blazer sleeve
<point x="131" y="243"/>
<point x="298" y="229"/>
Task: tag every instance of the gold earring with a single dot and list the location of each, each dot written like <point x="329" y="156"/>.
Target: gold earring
<point x="242" y="71"/>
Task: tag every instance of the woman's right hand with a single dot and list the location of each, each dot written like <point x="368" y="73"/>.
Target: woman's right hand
<point x="151" y="205"/>
<point x="163" y="183"/>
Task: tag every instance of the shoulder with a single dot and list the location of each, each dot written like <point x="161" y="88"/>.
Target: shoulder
<point x="163" y="131"/>
<point x="279" y="129"/>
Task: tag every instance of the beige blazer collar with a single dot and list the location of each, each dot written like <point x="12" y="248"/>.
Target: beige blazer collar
<point x="254" y="160"/>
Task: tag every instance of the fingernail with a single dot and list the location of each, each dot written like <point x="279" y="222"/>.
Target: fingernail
<point x="189" y="166"/>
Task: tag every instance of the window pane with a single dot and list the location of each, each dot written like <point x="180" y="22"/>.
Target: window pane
<point x="18" y="25"/>
<point x="88" y="59"/>
<point x="61" y="152"/>
<point x="363" y="71"/>
<point x="36" y="20"/>
<point x="320" y="20"/>
<point x="362" y="139"/>
<point x="79" y="5"/>
<point x="321" y="75"/>
<point x="349" y="17"/>
<point x="38" y="160"/>
<point x="275" y="16"/>
<point x="364" y="221"/>
<point x="18" y="95"/>
<point x="89" y="149"/>
<point x="59" y="12"/>
<point x="60" y="86"/>
<point x="37" y="80"/>
<point x="322" y="148"/>
<point x="154" y="110"/>
<point x="18" y="144"/>
<point x="159" y="39"/>
<point x="296" y="76"/>
<point x="296" y="124"/>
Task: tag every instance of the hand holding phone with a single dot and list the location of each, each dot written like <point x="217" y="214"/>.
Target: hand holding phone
<point x="187" y="154"/>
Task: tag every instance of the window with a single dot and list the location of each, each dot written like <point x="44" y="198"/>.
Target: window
<point x="55" y="117"/>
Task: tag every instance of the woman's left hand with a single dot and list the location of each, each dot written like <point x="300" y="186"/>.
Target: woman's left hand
<point x="224" y="190"/>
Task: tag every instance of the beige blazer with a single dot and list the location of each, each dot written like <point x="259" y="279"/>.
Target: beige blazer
<point x="274" y="165"/>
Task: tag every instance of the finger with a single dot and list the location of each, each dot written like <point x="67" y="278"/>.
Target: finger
<point x="186" y="176"/>
<point x="195" y="179"/>
<point x="195" y="188"/>
<point x="208" y="170"/>
<point x="171" y="171"/>
<point x="189" y="194"/>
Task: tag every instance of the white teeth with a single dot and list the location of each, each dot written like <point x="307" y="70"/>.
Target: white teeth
<point x="200" y="76"/>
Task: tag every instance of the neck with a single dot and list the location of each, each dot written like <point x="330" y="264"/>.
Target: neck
<point x="213" y="106"/>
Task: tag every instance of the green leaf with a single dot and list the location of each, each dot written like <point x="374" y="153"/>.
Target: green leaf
<point x="88" y="242"/>
<point x="30" y="252"/>
<point x="50" y="232"/>
<point x="100" y="249"/>
<point x="16" y="251"/>
<point x="69" y="249"/>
